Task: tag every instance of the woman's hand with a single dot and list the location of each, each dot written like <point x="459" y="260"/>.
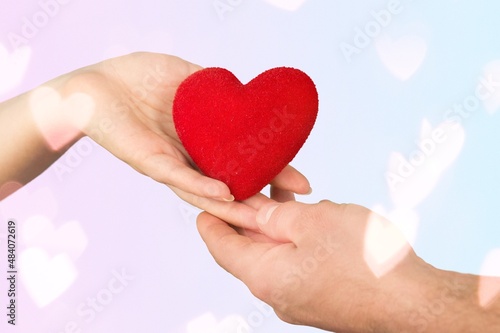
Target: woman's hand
<point x="125" y="105"/>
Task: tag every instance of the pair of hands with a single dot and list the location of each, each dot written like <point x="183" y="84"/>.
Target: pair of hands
<point x="143" y="135"/>
<point x="135" y="94"/>
<point x="304" y="260"/>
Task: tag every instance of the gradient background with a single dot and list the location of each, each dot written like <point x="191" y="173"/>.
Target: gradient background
<point x="77" y="230"/>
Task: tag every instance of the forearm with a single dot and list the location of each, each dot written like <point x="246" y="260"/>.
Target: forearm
<point x="433" y="300"/>
<point x="26" y="134"/>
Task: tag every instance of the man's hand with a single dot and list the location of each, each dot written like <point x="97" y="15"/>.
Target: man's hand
<point x="310" y="263"/>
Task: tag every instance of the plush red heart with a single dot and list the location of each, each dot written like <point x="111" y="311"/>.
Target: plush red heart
<point x="244" y="135"/>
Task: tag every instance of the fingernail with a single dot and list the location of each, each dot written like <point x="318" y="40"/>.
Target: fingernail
<point x="267" y="216"/>
<point x="214" y="193"/>
<point x="310" y="191"/>
<point x="229" y="199"/>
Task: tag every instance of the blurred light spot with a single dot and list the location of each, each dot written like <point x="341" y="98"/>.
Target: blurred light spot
<point x="60" y="120"/>
<point x="44" y="278"/>
<point x="290" y="5"/>
<point x="413" y="177"/>
<point x="385" y="245"/>
<point x="492" y="88"/>
<point x="8" y="188"/>
<point x="403" y="56"/>
<point x="41" y="201"/>
<point x="207" y="323"/>
<point x="489" y="283"/>
<point x="70" y="238"/>
<point x="404" y="218"/>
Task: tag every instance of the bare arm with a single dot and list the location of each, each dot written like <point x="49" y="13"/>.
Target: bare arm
<point x="125" y="105"/>
<point x="312" y="265"/>
<point x="24" y="151"/>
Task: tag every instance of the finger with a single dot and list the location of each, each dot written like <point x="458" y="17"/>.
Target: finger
<point x="292" y="180"/>
<point x="281" y="195"/>
<point x="236" y="213"/>
<point x="157" y="158"/>
<point x="257" y="236"/>
<point x="171" y="171"/>
<point x="284" y="222"/>
<point x="257" y="201"/>
<point x="194" y="68"/>
<point x="234" y="252"/>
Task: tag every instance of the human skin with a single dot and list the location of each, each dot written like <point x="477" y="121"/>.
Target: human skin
<point x="309" y="263"/>
<point x="125" y="105"/>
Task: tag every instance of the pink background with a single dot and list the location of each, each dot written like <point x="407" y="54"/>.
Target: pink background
<point x="79" y="229"/>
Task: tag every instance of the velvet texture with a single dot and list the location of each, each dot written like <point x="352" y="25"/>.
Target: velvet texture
<point x="244" y="135"/>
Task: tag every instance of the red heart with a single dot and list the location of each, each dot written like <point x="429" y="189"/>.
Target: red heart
<point x="244" y="135"/>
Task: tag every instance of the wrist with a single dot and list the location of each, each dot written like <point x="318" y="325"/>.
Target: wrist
<point x="34" y="132"/>
<point x="96" y="90"/>
<point x="59" y="112"/>
<point x="421" y="298"/>
<point x="71" y="107"/>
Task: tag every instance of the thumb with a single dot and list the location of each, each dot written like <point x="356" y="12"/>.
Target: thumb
<point x="282" y="222"/>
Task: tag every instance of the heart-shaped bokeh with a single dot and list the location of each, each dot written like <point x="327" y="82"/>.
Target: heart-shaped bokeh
<point x="244" y="135"/>
<point x="59" y="119"/>
<point x="46" y="278"/>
